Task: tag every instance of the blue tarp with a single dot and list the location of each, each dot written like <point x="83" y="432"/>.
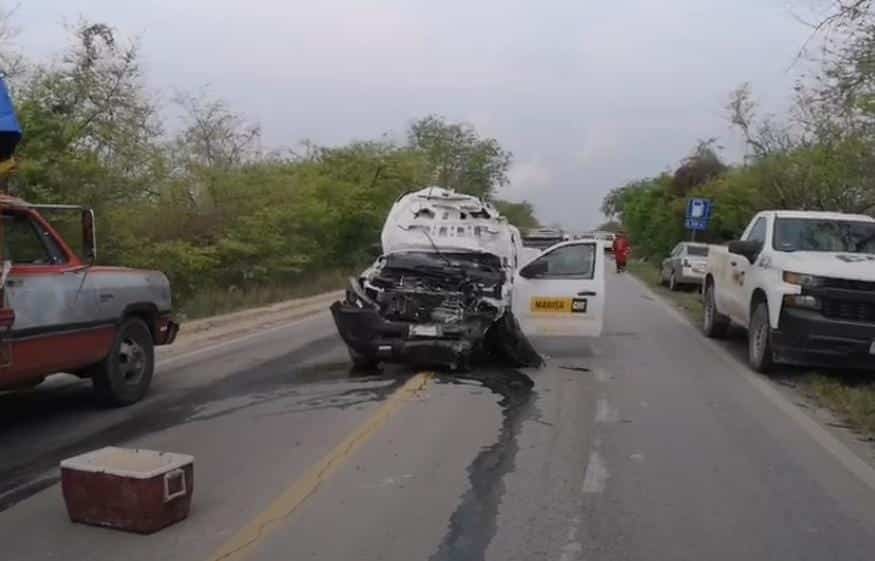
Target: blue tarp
<point x="10" y="130"/>
<point x="8" y="119"/>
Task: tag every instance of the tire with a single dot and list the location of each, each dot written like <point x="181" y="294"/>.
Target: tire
<point x="124" y="376"/>
<point x="715" y="324"/>
<point x="673" y="283"/>
<point x="362" y="362"/>
<point x="759" y="339"/>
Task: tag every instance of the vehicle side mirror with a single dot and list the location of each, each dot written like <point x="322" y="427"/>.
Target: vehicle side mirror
<point x="748" y="248"/>
<point x="89" y="236"/>
<point x="535" y="269"/>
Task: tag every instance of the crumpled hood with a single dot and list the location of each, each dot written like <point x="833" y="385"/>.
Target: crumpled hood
<point x="437" y="217"/>
<point x="852" y="266"/>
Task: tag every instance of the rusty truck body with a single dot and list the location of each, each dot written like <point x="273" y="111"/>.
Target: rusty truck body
<point x="62" y="313"/>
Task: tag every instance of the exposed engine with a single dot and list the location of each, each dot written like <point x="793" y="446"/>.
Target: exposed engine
<point x="436" y="288"/>
<point x="441" y="292"/>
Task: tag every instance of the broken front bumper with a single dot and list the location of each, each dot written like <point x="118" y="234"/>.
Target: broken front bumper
<point x="371" y="335"/>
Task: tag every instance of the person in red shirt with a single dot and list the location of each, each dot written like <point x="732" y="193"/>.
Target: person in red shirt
<point x="622" y="249"/>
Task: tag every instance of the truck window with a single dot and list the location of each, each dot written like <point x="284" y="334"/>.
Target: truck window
<point x="24" y="243"/>
<point x="758" y="232"/>
<point x="576" y="261"/>
<point x="839" y="236"/>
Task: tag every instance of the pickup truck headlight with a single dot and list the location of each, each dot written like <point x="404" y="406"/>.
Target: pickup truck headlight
<point x="802" y="301"/>
<point x="808" y="281"/>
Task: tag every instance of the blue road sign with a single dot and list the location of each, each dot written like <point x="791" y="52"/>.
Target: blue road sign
<point x="698" y="214"/>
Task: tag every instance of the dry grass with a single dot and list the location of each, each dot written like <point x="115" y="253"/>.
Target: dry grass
<point x="850" y="396"/>
<point x="217" y="301"/>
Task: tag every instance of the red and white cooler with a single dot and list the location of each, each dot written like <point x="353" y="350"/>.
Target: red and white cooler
<point x="134" y="490"/>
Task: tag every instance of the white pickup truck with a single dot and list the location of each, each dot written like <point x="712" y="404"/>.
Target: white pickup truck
<point x="453" y="281"/>
<point x="802" y="284"/>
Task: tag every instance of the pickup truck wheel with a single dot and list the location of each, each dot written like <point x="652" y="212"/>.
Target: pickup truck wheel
<point x="123" y="377"/>
<point x="362" y="362"/>
<point x="759" y="339"/>
<point x="673" y="282"/>
<point x="715" y="325"/>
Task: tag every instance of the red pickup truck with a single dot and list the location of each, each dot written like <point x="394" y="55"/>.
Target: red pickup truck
<point x="61" y="313"/>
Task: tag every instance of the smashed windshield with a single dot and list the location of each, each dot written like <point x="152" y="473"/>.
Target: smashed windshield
<point x="805" y="234"/>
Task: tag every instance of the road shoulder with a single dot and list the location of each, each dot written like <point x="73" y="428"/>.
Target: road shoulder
<point x="844" y="440"/>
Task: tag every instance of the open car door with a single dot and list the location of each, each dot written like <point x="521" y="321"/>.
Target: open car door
<point x="561" y="292"/>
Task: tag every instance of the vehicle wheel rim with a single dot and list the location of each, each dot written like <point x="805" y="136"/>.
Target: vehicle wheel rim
<point x="132" y="361"/>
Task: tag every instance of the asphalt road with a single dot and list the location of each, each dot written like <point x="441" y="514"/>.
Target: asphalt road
<point x="648" y="443"/>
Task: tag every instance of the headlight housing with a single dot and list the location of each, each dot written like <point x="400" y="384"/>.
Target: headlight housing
<point x="801" y="279"/>
<point x="802" y="301"/>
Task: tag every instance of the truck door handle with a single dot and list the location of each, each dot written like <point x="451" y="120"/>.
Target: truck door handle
<point x="587" y="293"/>
<point x="733" y="263"/>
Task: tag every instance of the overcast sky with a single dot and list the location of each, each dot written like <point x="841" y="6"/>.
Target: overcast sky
<point x="587" y="94"/>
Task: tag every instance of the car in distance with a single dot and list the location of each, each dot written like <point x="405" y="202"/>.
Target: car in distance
<point x="685" y="265"/>
<point x="607" y="239"/>
<point x="543" y="238"/>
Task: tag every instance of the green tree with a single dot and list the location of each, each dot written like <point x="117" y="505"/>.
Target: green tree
<point x="90" y="129"/>
<point x="614" y="203"/>
<point x="701" y="166"/>
<point x="521" y="215"/>
<point x="208" y="206"/>
<point x="459" y="158"/>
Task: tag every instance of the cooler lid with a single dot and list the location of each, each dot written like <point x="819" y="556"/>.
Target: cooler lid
<point x="128" y="462"/>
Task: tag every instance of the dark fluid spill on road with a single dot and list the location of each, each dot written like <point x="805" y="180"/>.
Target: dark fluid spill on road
<point x="573" y="368"/>
<point x="271" y="381"/>
<point x="475" y="521"/>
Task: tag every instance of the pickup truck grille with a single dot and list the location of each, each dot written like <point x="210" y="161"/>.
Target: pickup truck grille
<point x="849" y="310"/>
<point x="847" y="284"/>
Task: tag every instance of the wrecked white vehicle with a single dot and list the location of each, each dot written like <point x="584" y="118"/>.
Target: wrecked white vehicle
<point x="444" y="289"/>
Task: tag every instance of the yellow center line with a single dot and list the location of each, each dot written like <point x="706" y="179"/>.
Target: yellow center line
<point x="242" y="543"/>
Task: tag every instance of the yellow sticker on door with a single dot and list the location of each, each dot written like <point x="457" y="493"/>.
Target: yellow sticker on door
<point x="558" y="305"/>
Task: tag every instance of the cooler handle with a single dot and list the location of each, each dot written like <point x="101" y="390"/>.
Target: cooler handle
<point x="175" y="474"/>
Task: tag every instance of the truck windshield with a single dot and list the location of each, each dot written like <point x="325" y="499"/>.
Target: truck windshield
<point x="805" y="234"/>
<point x="697" y="251"/>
